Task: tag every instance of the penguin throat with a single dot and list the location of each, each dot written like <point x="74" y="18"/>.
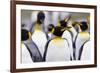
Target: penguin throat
<point x="38" y="27"/>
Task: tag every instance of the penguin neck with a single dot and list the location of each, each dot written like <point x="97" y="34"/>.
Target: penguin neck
<point x="56" y="39"/>
<point x="84" y="33"/>
<point x="38" y="26"/>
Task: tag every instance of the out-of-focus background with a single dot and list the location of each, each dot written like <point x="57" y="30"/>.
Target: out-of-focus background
<point x="51" y="17"/>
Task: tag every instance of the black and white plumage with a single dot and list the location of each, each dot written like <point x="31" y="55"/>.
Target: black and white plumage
<point x="67" y="35"/>
<point x="86" y="54"/>
<point x="40" y="39"/>
<point x="57" y="49"/>
<point x="81" y="38"/>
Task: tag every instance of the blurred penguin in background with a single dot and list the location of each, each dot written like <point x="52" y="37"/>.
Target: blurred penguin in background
<point x="57" y="49"/>
<point x="67" y="34"/>
<point x="39" y="23"/>
<point x="68" y="25"/>
<point x="50" y="31"/>
<point x="30" y="52"/>
<point x="74" y="30"/>
<point x="81" y="38"/>
<point x="39" y="36"/>
<point x="70" y="34"/>
<point x="76" y="26"/>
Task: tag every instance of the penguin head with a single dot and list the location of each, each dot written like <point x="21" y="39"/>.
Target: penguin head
<point x="63" y="23"/>
<point x="24" y="35"/>
<point x="83" y="25"/>
<point x="50" y="27"/>
<point x="58" y="31"/>
<point x="40" y="17"/>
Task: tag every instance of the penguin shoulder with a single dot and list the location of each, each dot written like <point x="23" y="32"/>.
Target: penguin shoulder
<point x="58" y="40"/>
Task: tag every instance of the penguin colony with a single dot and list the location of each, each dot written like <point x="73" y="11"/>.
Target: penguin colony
<point x="63" y="42"/>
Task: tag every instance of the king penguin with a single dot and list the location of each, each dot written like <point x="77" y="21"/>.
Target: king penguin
<point x="50" y="31"/>
<point x="26" y="58"/>
<point x="30" y="52"/>
<point x="57" y="49"/>
<point x="40" y="39"/>
<point x="68" y="37"/>
<point x="81" y="38"/>
<point x="67" y="34"/>
<point x="39" y="36"/>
